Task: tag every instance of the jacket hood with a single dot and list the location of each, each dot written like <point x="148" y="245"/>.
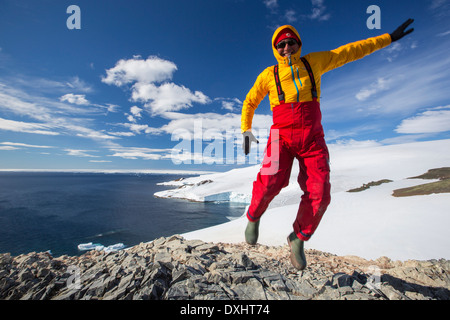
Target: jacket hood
<point x="285" y="60"/>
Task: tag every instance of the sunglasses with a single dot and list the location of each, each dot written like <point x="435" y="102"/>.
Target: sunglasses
<point x="283" y="43"/>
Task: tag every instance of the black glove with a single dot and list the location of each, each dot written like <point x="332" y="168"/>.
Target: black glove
<point x="248" y="138"/>
<point x="400" y="31"/>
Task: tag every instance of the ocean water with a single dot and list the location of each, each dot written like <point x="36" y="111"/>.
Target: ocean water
<point x="43" y="211"/>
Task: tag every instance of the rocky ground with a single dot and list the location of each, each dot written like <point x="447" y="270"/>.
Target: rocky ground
<point x="174" y="268"/>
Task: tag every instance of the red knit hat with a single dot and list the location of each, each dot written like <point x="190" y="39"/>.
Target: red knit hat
<point x="287" y="34"/>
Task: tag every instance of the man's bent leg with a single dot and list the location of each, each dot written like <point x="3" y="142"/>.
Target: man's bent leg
<point x="314" y="180"/>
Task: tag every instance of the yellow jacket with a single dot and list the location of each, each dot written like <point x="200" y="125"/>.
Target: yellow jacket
<point x="294" y="78"/>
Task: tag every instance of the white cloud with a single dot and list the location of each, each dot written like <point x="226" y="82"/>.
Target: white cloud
<point x="90" y="133"/>
<point x="443" y="34"/>
<point x="166" y="97"/>
<point x="197" y="126"/>
<point x="414" y="45"/>
<point x="149" y="86"/>
<point x="140" y="128"/>
<point x="441" y="8"/>
<point x="184" y="156"/>
<point x="80" y="153"/>
<point x="200" y="124"/>
<point x="79" y="99"/>
<point x="290" y="16"/>
<point x="136" y="111"/>
<point x="431" y="121"/>
<point x="393" y="51"/>
<point x="17" y="144"/>
<point x="435" y="4"/>
<point x="380" y="85"/>
<point x="351" y="144"/>
<point x="409" y="138"/>
<point x="318" y="11"/>
<point x="79" y="85"/>
<point x="8" y="148"/>
<point x="17" y="102"/>
<point x="153" y="69"/>
<point x="140" y="153"/>
<point x="210" y="125"/>
<point x="333" y="134"/>
<point x="54" y="117"/>
<point x="230" y="104"/>
<point x="407" y="85"/>
<point x="42" y="85"/>
<point x="122" y="134"/>
<point x="396" y="46"/>
<point x="27" y="127"/>
<point x="271" y="4"/>
<point x="112" y="107"/>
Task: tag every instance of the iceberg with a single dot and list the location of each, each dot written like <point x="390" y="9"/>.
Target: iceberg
<point x="114" y="247"/>
<point x="100" y="247"/>
<point x="90" y="246"/>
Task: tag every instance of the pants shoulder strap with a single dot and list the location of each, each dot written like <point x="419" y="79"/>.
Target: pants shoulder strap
<point x="311" y="77"/>
<point x="278" y="84"/>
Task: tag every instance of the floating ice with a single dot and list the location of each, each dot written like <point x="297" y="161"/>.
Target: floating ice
<point x="100" y="247"/>
<point x="114" y="247"/>
<point x="90" y="246"/>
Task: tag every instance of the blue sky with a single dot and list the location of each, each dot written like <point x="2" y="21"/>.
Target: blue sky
<point x="142" y="80"/>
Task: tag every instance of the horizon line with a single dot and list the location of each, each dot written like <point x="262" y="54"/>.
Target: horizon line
<point x="141" y="171"/>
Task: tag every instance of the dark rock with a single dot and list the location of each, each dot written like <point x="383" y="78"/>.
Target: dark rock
<point x="173" y="268"/>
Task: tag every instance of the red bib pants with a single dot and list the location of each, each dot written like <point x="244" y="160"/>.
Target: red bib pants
<point x="296" y="133"/>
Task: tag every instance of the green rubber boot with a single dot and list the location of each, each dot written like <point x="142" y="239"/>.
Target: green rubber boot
<point x="251" y="232"/>
<point x="298" y="258"/>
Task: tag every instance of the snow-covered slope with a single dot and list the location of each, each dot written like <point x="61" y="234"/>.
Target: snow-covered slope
<point x="370" y="224"/>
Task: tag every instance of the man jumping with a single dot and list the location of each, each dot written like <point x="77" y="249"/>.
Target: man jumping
<point x="293" y="86"/>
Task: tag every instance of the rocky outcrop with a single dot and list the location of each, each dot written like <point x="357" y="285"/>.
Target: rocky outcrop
<point x="174" y="268"/>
